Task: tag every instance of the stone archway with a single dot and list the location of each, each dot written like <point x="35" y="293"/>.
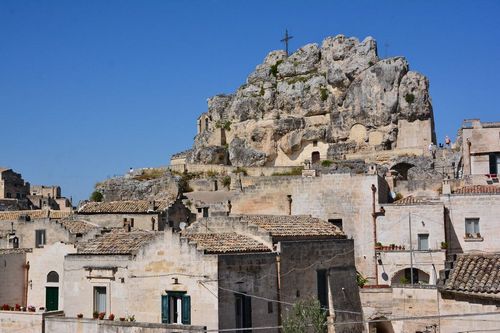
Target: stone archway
<point x="404" y="276"/>
<point x="315" y="157"/>
<point x="381" y="325"/>
<point x="402" y="169"/>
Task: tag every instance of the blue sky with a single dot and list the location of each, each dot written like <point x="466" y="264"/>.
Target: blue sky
<point x="90" y="88"/>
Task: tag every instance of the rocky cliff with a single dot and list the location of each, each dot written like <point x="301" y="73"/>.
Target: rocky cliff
<point x="340" y="96"/>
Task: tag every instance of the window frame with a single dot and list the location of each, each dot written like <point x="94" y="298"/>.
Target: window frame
<point x="185" y="310"/>
<point x="421" y="237"/>
<point x="40" y="238"/>
<point x="472" y="222"/>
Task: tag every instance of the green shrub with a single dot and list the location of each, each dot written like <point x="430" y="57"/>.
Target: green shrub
<point x="274" y="68"/>
<point x="326" y="163"/>
<point x="96" y="196"/>
<point x="404" y="280"/>
<point x="305" y="316"/>
<point x="409" y="98"/>
<point x="323" y="94"/>
<point x="296" y="171"/>
<point x="226" y="181"/>
<point x="262" y="92"/>
<point x="148" y="174"/>
<point x="223" y="124"/>
<point x="241" y="170"/>
<point x="399" y="196"/>
<point x="361" y="280"/>
<point x="211" y="173"/>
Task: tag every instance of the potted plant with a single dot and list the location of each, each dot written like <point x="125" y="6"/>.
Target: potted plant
<point x="17" y="307"/>
<point x="444" y="245"/>
<point x="95" y="314"/>
<point x="122" y="318"/>
<point x="111" y="317"/>
<point x="31" y="308"/>
<point x="79" y="316"/>
<point x="131" y="318"/>
<point x="6" y="307"/>
<point x="101" y="315"/>
<point x="378" y="245"/>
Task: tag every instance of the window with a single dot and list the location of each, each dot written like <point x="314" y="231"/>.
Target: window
<point x="315" y="143"/>
<point x="205" y="211"/>
<point x="322" y="282"/>
<point x="472" y="228"/>
<point x="337" y="223"/>
<point x="99" y="299"/>
<point x="243" y="311"/>
<point x="40" y="238"/>
<point x="494" y="163"/>
<point x="423" y="242"/>
<point x="8" y="195"/>
<point x="176" y="308"/>
<point x="53" y="277"/>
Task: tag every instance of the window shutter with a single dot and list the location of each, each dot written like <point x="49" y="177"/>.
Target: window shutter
<point x="164" y="309"/>
<point x="186" y="310"/>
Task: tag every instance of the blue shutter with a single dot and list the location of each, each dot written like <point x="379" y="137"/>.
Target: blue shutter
<point x="164" y="309"/>
<point x="186" y="309"/>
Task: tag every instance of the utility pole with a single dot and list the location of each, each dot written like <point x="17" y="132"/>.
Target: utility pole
<point x="285" y="40"/>
<point x="411" y="249"/>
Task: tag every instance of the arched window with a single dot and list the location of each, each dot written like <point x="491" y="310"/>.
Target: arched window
<point x="52" y="277"/>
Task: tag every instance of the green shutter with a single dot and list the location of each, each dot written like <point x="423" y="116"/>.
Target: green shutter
<point x="164" y="310"/>
<point x="186" y="309"/>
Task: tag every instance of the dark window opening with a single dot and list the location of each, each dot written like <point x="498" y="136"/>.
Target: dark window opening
<point x="337" y="223"/>
<point x="52" y="277"/>
<point x="243" y="312"/>
<point x="40" y="238"/>
<point x="205" y="211"/>
<point x="100" y="299"/>
<point x="322" y="282"/>
<point x="315" y="157"/>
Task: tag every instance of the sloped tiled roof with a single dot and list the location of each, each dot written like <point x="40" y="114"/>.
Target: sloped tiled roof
<point x="33" y="214"/>
<point x="117" y="241"/>
<point x="475" y="273"/>
<point x="15" y="215"/>
<point x="409" y="200"/>
<point x="125" y="206"/>
<point x="478" y="189"/>
<point x="294" y="226"/>
<point x="77" y="227"/>
<point x="231" y="242"/>
<point x="59" y="214"/>
<point x="14" y="251"/>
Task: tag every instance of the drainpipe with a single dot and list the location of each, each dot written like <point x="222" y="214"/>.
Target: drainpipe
<point x="289" y="198"/>
<point x="375" y="214"/>
<point x="278" y="282"/>
<point x="26" y="283"/>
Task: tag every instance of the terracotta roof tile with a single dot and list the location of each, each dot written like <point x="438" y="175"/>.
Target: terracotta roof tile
<point x="117" y="241"/>
<point x="478" y="189"/>
<point x="14" y="251"/>
<point x="409" y="200"/>
<point x="294" y="226"/>
<point x="59" y="214"/>
<point x="475" y="273"/>
<point x="15" y="215"/>
<point x="77" y="227"/>
<point x="128" y="206"/>
<point x="230" y="242"/>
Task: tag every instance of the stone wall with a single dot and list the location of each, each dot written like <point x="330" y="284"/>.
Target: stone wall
<point x="26" y="232"/>
<point x="484" y="207"/>
<point x="141" y="221"/>
<point x="417" y="302"/>
<point x="42" y="261"/>
<point x="12" y="277"/>
<point x="25" y="322"/>
<point x="135" y="284"/>
<point x="65" y="325"/>
<point x="333" y="196"/>
<point x="12" y="185"/>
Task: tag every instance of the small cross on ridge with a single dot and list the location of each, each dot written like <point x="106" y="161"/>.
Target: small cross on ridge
<point x="285" y="40"/>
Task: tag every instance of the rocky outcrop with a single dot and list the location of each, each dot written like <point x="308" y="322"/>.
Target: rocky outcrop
<point x="165" y="186"/>
<point x="318" y="93"/>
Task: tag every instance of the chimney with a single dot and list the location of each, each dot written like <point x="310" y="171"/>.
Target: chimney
<point x="152" y="206"/>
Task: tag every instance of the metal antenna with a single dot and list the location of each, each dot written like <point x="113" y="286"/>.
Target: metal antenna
<point x="285" y="40"/>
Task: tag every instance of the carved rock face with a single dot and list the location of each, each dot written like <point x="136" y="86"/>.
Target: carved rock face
<point x="317" y="93"/>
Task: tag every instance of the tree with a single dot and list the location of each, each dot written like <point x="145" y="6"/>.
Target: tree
<point x="305" y="316"/>
<point x="96" y="196"/>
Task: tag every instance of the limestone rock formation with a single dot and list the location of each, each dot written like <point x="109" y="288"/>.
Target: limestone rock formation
<point x="163" y="187"/>
<point x="339" y="97"/>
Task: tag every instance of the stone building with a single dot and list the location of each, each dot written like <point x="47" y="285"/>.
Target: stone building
<point x="481" y="149"/>
<point x="220" y="272"/>
<point x="398" y="251"/>
<point x="139" y="214"/>
<point x="12" y="185"/>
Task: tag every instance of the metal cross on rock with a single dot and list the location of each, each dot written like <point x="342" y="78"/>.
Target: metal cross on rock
<point x="285" y="40"/>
